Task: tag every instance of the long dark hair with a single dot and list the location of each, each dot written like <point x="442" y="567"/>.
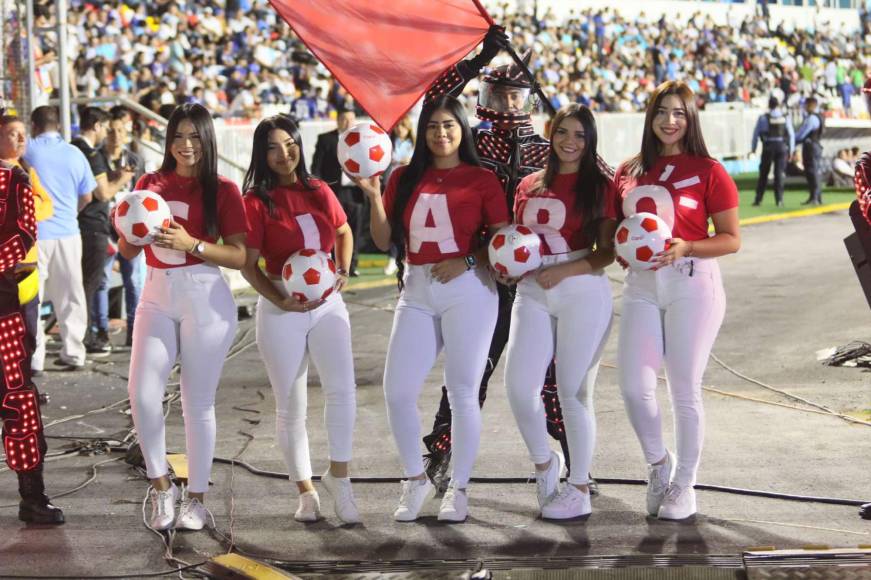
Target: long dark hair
<point x="208" y="174"/>
<point x="591" y="182"/>
<point x="260" y="179"/>
<point x="421" y="159"/>
<point x="693" y="141"/>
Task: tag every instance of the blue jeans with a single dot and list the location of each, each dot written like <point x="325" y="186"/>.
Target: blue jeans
<point x="132" y="277"/>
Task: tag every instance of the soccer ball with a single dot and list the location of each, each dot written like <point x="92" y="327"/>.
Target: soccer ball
<point x="515" y="250"/>
<point x="364" y="150"/>
<point x="139" y="215"/>
<point x="309" y="275"/>
<point x="639" y="238"/>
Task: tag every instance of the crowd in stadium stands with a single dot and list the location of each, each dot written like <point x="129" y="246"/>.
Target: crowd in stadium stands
<point x="236" y="55"/>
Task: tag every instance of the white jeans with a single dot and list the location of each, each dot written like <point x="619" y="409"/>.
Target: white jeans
<point x="672" y="314"/>
<point x="283" y="339"/>
<point x="460" y="317"/>
<point x="60" y="281"/>
<point x="188" y="311"/>
<point x="571" y="321"/>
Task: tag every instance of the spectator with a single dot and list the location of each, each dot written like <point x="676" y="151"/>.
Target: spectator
<point x="403" y="147"/>
<point x="94" y="220"/>
<point x="66" y="175"/>
<point x="325" y="165"/>
<point x="842" y="169"/>
<point x="121" y="156"/>
<point x="13" y="142"/>
<point x="627" y="54"/>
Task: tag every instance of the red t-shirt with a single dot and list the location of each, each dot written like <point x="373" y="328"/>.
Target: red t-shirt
<point x="447" y="211"/>
<point x="186" y="204"/>
<point x="684" y="190"/>
<point x="552" y="213"/>
<point x="301" y="218"/>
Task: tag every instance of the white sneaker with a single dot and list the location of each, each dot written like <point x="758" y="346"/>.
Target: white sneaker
<point x="547" y="481"/>
<point x="455" y="505"/>
<point x="390" y="268"/>
<point x="309" y="509"/>
<point x="658" y="478"/>
<point x="569" y="503"/>
<point x="192" y="515"/>
<point x="679" y="503"/>
<point x="163" y="507"/>
<point x="343" y="497"/>
<point x="414" y="494"/>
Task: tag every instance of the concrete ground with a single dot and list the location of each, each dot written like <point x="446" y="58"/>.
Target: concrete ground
<point x="791" y="292"/>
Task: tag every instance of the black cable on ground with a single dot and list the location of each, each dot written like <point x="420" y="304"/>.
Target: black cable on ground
<point x="602" y="480"/>
<point x="137" y="575"/>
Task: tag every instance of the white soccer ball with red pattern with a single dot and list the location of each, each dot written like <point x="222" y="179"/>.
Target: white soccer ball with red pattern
<point x="364" y="150"/>
<point x="141" y="214"/>
<point x="309" y="275"/>
<point x="639" y="238"/>
<point x="515" y="250"/>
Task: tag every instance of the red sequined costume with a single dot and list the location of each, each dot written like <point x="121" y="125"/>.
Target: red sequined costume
<point x="23" y="442"/>
<point x="862" y="180"/>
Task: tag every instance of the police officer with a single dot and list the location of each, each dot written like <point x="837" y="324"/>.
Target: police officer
<point x="809" y="135"/>
<point x="778" y="143"/>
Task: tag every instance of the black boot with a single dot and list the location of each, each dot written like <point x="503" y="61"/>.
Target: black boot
<point x="35" y="507"/>
<point x="865" y="511"/>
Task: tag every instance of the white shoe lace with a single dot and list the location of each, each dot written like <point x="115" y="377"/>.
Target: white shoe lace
<point x="345" y="497"/>
<point x="659" y="478"/>
<point x="674" y="493"/>
<point x="407" y="487"/>
<point x="565" y="494"/>
<point x="162" y="501"/>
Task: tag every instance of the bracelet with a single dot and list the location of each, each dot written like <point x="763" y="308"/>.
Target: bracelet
<point x="194" y="247"/>
<point x="342" y="272"/>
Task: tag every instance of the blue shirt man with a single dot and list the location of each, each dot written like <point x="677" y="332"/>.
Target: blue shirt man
<point x="67" y="176"/>
<point x="68" y="179"/>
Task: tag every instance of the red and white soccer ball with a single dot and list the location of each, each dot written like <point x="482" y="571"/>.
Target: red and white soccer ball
<point x="515" y="250"/>
<point x="639" y="238"/>
<point x="364" y="150"/>
<point x="309" y="275"/>
<point x="139" y="215"/>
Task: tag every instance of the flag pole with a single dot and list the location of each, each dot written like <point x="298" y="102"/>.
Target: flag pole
<point x="513" y="53"/>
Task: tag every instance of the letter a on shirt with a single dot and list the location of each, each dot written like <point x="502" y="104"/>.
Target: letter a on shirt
<point x="431" y="222"/>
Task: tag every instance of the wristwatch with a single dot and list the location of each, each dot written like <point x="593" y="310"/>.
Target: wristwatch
<point x="199" y="248"/>
<point x="471" y="261"/>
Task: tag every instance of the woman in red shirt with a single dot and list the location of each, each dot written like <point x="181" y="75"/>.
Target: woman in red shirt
<point x="186" y="309"/>
<point x="433" y="211"/>
<point x="288" y="210"/>
<point x="563" y="309"/>
<point x="672" y="314"/>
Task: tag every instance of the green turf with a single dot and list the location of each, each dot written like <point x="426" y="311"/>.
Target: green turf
<point x="793" y="194"/>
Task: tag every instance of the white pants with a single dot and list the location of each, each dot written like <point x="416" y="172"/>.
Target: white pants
<point x="187" y="311"/>
<point x="571" y="321"/>
<point x="460" y="317"/>
<point x="675" y="314"/>
<point x="60" y="281"/>
<point x="283" y="339"/>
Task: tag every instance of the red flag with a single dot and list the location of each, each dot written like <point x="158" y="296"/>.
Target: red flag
<point x="386" y="53"/>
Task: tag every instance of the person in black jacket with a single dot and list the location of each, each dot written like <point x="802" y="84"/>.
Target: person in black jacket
<point x="325" y="165"/>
